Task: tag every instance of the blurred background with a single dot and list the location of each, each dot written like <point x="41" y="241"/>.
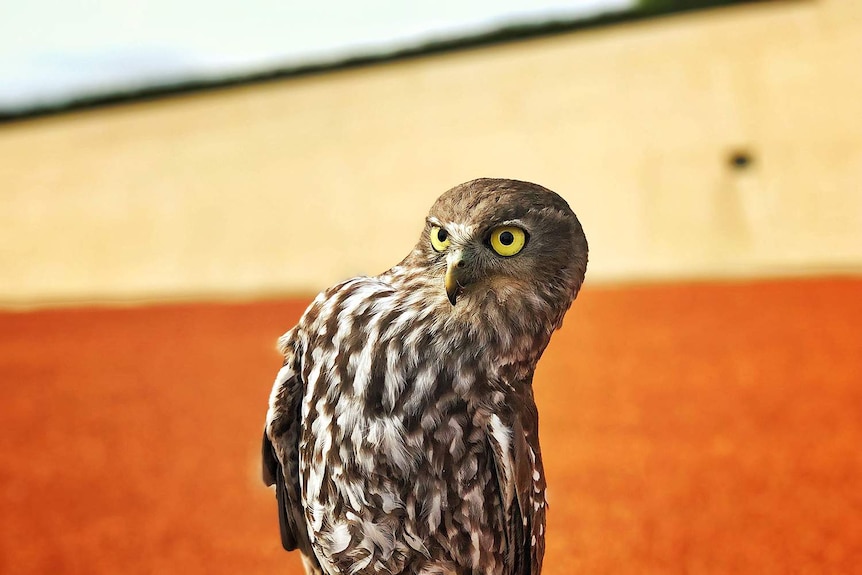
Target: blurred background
<point x="178" y="180"/>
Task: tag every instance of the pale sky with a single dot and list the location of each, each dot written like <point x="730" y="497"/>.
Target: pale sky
<point x="52" y="51"/>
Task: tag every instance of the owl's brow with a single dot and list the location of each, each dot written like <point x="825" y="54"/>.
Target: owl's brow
<point x="515" y="222"/>
<point x="455" y="230"/>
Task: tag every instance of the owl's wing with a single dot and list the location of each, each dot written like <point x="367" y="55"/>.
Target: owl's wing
<point x="514" y="442"/>
<point x="280" y="449"/>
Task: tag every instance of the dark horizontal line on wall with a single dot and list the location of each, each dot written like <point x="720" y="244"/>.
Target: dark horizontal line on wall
<point x="506" y="34"/>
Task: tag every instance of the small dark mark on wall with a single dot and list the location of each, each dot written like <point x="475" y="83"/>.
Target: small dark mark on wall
<point x="740" y="159"/>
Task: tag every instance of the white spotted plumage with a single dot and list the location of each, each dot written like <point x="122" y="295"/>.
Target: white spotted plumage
<point x="402" y="435"/>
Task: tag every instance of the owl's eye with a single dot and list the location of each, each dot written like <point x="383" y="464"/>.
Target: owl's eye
<point x="508" y="240"/>
<point x="439" y="239"/>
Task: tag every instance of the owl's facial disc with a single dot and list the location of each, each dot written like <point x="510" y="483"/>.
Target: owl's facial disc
<point x="476" y="256"/>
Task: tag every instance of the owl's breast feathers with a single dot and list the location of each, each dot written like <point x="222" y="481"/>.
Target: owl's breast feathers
<point x="404" y="439"/>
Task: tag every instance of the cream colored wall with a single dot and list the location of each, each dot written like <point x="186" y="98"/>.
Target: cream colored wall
<point x="289" y="186"/>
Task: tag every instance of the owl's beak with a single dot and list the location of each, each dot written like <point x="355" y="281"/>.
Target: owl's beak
<point x="454" y="281"/>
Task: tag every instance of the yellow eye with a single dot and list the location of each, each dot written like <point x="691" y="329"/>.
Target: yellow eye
<point x="439" y="239"/>
<point x="508" y="240"/>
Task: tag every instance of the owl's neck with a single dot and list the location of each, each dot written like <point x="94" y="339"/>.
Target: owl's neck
<point x="507" y="327"/>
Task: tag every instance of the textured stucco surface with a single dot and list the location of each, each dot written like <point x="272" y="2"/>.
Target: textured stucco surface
<point x="286" y="187"/>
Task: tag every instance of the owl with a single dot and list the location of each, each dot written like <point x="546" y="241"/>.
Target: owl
<point x="402" y="435"/>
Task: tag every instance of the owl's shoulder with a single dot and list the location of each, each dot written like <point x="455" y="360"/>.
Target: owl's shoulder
<point x="355" y="291"/>
<point x="348" y="298"/>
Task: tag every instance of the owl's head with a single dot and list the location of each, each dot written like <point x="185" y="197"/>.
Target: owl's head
<point x="504" y="243"/>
